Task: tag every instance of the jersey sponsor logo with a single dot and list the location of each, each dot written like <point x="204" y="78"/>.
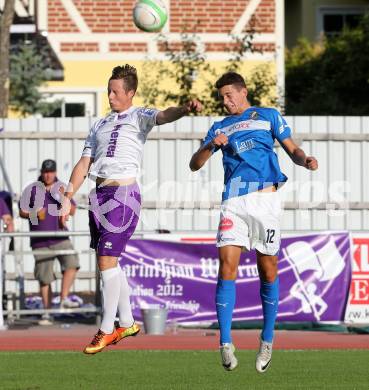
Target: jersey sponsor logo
<point x="247" y="125"/>
<point x="225" y="224"/>
<point x="113" y="141"/>
<point x="243" y="146"/>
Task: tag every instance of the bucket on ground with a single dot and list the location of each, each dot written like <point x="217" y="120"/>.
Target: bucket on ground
<point x="154" y="320"/>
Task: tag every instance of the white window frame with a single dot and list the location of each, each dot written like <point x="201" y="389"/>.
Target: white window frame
<point x="89" y="99"/>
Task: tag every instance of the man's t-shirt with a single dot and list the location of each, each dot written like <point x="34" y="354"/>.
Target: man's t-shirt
<point x="249" y="161"/>
<point x="50" y="221"/>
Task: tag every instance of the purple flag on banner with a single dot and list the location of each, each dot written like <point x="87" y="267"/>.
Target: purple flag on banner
<point x="314" y="272"/>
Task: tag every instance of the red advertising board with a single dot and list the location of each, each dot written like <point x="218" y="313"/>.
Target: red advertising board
<point x="358" y="304"/>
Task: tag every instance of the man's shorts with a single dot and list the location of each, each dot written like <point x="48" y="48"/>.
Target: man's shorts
<point x="113" y="217"/>
<point x="251" y="221"/>
<point x="44" y="266"/>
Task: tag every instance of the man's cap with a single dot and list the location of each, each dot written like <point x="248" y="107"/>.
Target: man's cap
<point x="48" y="166"/>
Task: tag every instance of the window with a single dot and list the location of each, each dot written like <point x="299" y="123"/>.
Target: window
<point x="71" y="104"/>
<point x="69" y="110"/>
<point x="331" y="21"/>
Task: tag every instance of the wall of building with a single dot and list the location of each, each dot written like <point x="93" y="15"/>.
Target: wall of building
<point x="302" y="16"/>
<point x="91" y="37"/>
<point x="293" y="21"/>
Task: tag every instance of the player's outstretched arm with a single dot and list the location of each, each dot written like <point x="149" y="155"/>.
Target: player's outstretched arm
<point x="298" y="156"/>
<point x="200" y="157"/>
<point x="171" y="114"/>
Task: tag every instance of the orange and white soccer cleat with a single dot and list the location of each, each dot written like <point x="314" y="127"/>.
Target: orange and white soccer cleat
<point x="125" y="332"/>
<point x="100" y="341"/>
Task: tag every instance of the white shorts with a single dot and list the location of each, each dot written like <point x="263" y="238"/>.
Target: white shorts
<point x="251" y="221"/>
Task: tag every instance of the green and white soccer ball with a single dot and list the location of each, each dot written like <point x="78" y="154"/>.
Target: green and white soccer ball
<point x="150" y="15"/>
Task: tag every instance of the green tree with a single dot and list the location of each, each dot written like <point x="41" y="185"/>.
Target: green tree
<point x="27" y="73"/>
<point x="6" y="20"/>
<point x="190" y="75"/>
<point x="330" y="77"/>
<point x="175" y="84"/>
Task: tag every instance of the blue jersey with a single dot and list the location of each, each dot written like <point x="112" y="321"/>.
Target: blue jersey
<point x="249" y="161"/>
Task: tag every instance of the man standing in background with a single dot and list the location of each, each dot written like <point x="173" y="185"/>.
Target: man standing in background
<point x="48" y="220"/>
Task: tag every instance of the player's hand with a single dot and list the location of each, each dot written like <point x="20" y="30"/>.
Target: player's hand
<point x="311" y="163"/>
<point x="193" y="106"/>
<point x="220" y="140"/>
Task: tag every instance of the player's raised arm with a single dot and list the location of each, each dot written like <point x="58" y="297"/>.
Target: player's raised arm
<point x="171" y="114"/>
<point x="200" y="157"/>
<point x="298" y="156"/>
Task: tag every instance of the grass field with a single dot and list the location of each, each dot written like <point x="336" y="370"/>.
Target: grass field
<point x="328" y="369"/>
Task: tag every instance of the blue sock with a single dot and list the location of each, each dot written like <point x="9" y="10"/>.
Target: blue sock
<point x="269" y="293"/>
<point x="225" y="301"/>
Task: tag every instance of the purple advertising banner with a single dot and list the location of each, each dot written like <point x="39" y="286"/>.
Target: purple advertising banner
<point x="314" y="272"/>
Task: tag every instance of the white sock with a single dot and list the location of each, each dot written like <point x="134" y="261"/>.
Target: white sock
<point x="110" y="291"/>
<point x="124" y="306"/>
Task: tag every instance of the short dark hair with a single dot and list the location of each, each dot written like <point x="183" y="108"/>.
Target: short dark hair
<point x="230" y="78"/>
<point x="128" y="74"/>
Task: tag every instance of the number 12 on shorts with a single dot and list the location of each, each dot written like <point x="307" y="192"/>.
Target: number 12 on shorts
<point x="270" y="236"/>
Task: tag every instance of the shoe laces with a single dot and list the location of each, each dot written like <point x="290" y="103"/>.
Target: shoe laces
<point x="227" y="352"/>
<point x="98" y="337"/>
<point x="265" y="351"/>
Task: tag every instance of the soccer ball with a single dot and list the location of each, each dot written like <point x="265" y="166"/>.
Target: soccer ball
<point x="150" y="15"/>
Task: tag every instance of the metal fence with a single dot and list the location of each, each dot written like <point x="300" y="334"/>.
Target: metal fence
<point x="14" y="282"/>
<point x="336" y="197"/>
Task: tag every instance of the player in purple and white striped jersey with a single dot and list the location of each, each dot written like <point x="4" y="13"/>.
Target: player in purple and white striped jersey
<point x="112" y="156"/>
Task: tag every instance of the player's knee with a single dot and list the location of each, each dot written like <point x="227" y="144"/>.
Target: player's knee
<point x="227" y="270"/>
<point x="268" y="275"/>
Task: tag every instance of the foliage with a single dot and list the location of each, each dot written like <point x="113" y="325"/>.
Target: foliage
<point x="190" y="75"/>
<point x="27" y="74"/>
<point x="330" y="77"/>
<point x="188" y="64"/>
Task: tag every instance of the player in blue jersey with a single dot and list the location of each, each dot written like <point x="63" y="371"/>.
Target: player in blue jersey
<point x="251" y="206"/>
